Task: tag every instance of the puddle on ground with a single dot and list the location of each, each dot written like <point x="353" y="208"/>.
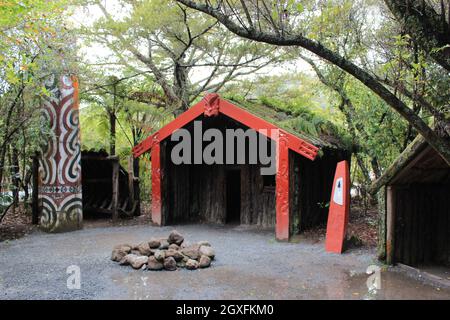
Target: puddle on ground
<point x="227" y="283"/>
<point x="392" y="286"/>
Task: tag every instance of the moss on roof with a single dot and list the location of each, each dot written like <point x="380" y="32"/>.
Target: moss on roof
<point x="300" y="122"/>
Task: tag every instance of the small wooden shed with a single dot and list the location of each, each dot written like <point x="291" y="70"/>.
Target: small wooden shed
<point x="414" y="201"/>
<point x="292" y="200"/>
<point x="108" y="189"/>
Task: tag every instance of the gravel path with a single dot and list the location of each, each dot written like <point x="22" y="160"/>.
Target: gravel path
<point x="250" y="264"/>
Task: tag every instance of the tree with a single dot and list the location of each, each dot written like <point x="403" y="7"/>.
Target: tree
<point x="184" y="52"/>
<point x="32" y="33"/>
<point x="430" y="30"/>
<point x="280" y="23"/>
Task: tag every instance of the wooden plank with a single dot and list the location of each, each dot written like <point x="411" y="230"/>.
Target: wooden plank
<point x="422" y="215"/>
<point x="441" y="230"/>
<point x="115" y="190"/>
<point x="398" y="226"/>
<point x="390" y="224"/>
<point x="382" y="227"/>
<point x="415" y="201"/>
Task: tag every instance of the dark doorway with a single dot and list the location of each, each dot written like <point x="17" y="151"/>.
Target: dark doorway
<point x="233" y="181"/>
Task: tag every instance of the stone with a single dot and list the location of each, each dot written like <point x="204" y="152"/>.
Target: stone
<point x="154" y="243"/>
<point x="127" y="259"/>
<point x="177" y="255"/>
<point x="204" y="243"/>
<point x="174" y="246"/>
<point x="204" y="261"/>
<point x="170" y="264"/>
<point x="181" y="264"/>
<point x="153" y="264"/>
<point x="164" y="244"/>
<point x="175" y="237"/>
<point x="118" y="254"/>
<point x="135" y="252"/>
<point x="192" y="264"/>
<point x="144" y="249"/>
<point x="138" y="262"/>
<point x="207" y="251"/>
<point x="159" y="255"/>
<point x="185" y="244"/>
<point x="124" y="247"/>
<point x="191" y="252"/>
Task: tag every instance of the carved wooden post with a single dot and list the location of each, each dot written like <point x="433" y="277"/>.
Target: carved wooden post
<point x="60" y="164"/>
<point x="282" y="189"/>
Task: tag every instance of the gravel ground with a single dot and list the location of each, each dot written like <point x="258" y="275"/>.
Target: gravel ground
<point x="249" y="264"/>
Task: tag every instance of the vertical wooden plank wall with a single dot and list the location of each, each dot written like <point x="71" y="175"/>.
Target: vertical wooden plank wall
<point x="421" y="224"/>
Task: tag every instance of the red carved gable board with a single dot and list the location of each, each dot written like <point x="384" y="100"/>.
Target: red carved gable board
<point x="212" y="105"/>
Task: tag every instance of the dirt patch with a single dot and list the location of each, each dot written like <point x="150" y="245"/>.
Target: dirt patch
<point x="16" y="223"/>
<point x="363" y="225"/>
<point x="362" y="229"/>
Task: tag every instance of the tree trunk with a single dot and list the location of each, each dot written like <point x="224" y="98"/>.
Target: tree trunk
<point x="425" y="26"/>
<point x="15" y="175"/>
<point x="112" y="133"/>
<point x="440" y="144"/>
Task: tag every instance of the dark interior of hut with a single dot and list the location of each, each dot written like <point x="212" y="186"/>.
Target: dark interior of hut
<point x="100" y="175"/>
<point x="216" y="193"/>
<point x="233" y="192"/>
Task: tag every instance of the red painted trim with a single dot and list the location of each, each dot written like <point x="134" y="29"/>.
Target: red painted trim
<point x="339" y="212"/>
<point x="231" y="110"/>
<point x="246" y="118"/>
<point x="282" y="189"/>
<point x="156" y="183"/>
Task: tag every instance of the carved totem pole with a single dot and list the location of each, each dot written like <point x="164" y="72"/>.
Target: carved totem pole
<point x="60" y="201"/>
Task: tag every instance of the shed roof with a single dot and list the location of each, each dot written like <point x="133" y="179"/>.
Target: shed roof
<point x="418" y="163"/>
<point x="253" y="115"/>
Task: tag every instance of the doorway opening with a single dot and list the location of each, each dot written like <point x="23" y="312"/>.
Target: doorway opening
<point x="233" y="181"/>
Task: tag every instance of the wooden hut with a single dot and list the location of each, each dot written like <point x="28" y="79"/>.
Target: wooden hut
<point x="292" y="200"/>
<point x="414" y="199"/>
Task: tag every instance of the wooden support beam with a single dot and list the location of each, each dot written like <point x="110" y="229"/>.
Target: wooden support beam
<point x="115" y="189"/>
<point x="156" y="184"/>
<point x="131" y="180"/>
<point x="390" y="224"/>
<point x="282" y="189"/>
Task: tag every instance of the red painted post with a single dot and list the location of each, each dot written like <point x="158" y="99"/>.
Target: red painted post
<point x="339" y="209"/>
<point x="282" y="189"/>
<point x="156" y="183"/>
